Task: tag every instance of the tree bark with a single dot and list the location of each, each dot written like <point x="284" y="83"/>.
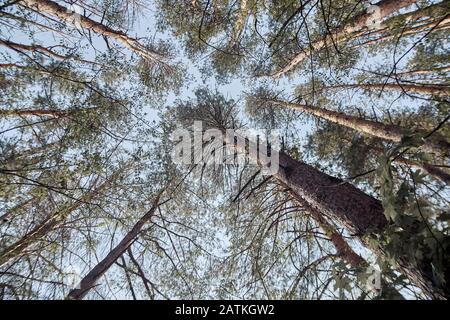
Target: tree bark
<point x="377" y="129"/>
<point x="424" y="71"/>
<point x="343" y="249"/>
<point x="439" y="25"/>
<point x="386" y="7"/>
<point x="92" y="277"/>
<point x="361" y="214"/>
<point x="33" y="112"/>
<point x="436" y="90"/>
<point x="55" y="10"/>
<point x="43" y="112"/>
<point x="35" y="47"/>
<point x="20" y="247"/>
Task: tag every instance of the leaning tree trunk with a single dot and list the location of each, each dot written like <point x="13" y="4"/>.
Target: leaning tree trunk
<point x="432" y="170"/>
<point x="436" y="90"/>
<point x="386" y="7"/>
<point x="28" y="241"/>
<point x="92" y="277"/>
<point x="361" y="214"/>
<point x="377" y="129"/>
<point x="56" y="10"/>
<point x="33" y="112"/>
<point x="343" y="249"/>
<point x="22" y="113"/>
<point x="423" y="71"/>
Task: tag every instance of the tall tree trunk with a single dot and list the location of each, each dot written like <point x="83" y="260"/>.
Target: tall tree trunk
<point x="432" y="25"/>
<point x="43" y="112"/>
<point x="424" y="71"/>
<point x="436" y="90"/>
<point x="361" y="214"/>
<point x="35" y="47"/>
<point x="386" y="7"/>
<point x="343" y="249"/>
<point x="92" y="277"/>
<point x="373" y="128"/>
<point x="21" y="246"/>
<point x="432" y="170"/>
<point x="33" y="112"/>
<point x="43" y="50"/>
<point x="58" y="11"/>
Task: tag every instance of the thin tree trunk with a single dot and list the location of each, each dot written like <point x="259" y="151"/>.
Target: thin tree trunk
<point x="43" y="112"/>
<point x="373" y="128"/>
<point x="33" y="112"/>
<point x="433" y="13"/>
<point x="35" y="47"/>
<point x="92" y="277"/>
<point x="21" y="246"/>
<point x="43" y="50"/>
<point x="6" y="216"/>
<point x="424" y="71"/>
<point x="358" y="24"/>
<point x="361" y="214"/>
<point x="439" y="25"/>
<point x="436" y="90"/>
<point x="432" y="170"/>
<point x="55" y="10"/>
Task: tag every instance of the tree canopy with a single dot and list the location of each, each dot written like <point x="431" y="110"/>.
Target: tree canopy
<point x="350" y="99"/>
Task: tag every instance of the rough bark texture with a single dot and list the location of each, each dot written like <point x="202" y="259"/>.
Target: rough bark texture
<point x="343" y="250"/>
<point x="386" y="7"/>
<point x="347" y="206"/>
<point x="373" y="128"/>
<point x="92" y="277"/>
<point x="55" y="10"/>
<point x="358" y="212"/>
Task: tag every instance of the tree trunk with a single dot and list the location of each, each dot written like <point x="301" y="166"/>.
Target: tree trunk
<point x="361" y="214"/>
<point x="343" y="249"/>
<point x="432" y="170"/>
<point x="20" y="247"/>
<point x="434" y="25"/>
<point x="92" y="277"/>
<point x="436" y="90"/>
<point x="33" y="112"/>
<point x="386" y="7"/>
<point x="43" y="112"/>
<point x="373" y="128"/>
<point x="424" y="71"/>
<point x="54" y="9"/>
<point x="36" y="48"/>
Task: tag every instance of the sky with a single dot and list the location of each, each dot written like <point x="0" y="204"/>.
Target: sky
<point x="146" y="26"/>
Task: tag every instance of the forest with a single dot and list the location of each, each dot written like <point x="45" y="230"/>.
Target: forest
<point x="346" y="197"/>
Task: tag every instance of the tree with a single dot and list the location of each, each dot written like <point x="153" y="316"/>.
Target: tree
<point x="361" y="214"/>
